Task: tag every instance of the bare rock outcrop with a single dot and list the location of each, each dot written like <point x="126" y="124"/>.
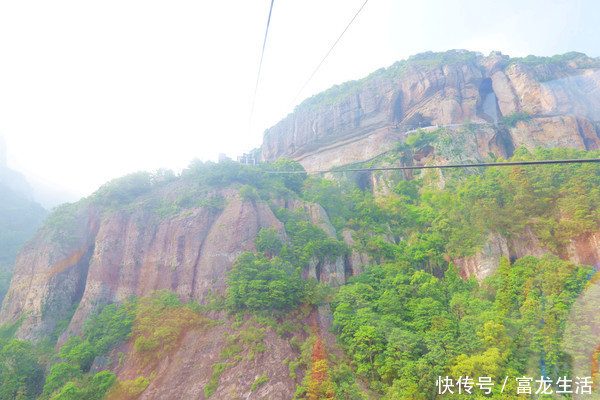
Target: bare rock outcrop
<point x="128" y="252"/>
<point x="360" y="120"/>
<point x="99" y="258"/>
<point x="584" y="249"/>
<point x="49" y="275"/>
<point x="188" y="254"/>
<point x="186" y="372"/>
<point x="483" y="263"/>
<point x="334" y="272"/>
<point x="403" y="97"/>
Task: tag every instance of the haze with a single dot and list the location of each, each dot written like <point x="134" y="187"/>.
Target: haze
<point x="90" y="91"/>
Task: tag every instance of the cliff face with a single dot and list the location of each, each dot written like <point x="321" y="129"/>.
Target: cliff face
<point x="584" y="249"/>
<point x="359" y="120"/>
<point x="186" y="254"/>
<point x="380" y="106"/>
<point x="485" y="105"/>
<point x="98" y="252"/>
<point x="134" y="252"/>
<point x="187" y="371"/>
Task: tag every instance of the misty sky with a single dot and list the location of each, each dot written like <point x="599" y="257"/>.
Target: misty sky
<point x="92" y="90"/>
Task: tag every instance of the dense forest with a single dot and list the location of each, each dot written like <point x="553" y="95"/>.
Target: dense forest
<point x="407" y="320"/>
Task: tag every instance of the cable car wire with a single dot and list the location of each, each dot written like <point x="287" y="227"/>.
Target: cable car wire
<point x="411" y="167"/>
<point x="262" y="54"/>
<point x="329" y="52"/>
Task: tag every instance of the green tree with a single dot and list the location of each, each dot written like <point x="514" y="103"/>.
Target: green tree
<point x="268" y="241"/>
<point x="79" y="352"/>
<point x="20" y="372"/>
<point x="58" y="375"/>
<point x="293" y="174"/>
<point x="257" y="283"/>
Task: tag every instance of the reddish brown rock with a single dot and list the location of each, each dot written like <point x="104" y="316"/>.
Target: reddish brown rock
<point x="483" y="263"/>
<point x="130" y="252"/>
<point x="440" y="95"/>
<point x="135" y="251"/>
<point x="50" y="274"/>
<point x="584" y="249"/>
<point x="186" y="372"/>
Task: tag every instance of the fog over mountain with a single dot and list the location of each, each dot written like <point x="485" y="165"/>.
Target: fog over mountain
<point x="29" y="185"/>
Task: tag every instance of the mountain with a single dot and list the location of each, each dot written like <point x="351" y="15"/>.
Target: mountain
<point x="235" y="281"/>
<point x="505" y="103"/>
<point x="359" y="120"/>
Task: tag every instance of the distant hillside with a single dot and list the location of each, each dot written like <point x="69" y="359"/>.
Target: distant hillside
<point x="19" y="219"/>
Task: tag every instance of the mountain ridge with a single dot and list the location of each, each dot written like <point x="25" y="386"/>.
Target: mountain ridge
<point x="371" y="115"/>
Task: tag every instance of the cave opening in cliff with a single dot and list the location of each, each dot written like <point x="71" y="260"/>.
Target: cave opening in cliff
<point x="397" y="111"/>
<point x="319" y="271"/>
<point x="364" y="181"/>
<point x="416" y="121"/>
<point x="487" y="104"/>
<point x="348" y="269"/>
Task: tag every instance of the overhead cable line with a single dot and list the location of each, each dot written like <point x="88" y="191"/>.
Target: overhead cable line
<point x="326" y="55"/>
<point x="410" y="167"/>
<point x="262" y="54"/>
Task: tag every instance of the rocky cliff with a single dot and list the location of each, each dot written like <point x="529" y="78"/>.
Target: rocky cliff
<point x="133" y="238"/>
<point x="479" y="107"/>
<point x="95" y="257"/>
<point x="20" y="216"/>
<point x="359" y="120"/>
<point x="583" y="249"/>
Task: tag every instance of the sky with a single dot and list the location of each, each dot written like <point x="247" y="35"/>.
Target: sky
<point x="93" y="90"/>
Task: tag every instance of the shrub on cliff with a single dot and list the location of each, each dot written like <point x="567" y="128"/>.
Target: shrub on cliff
<point x="293" y="174"/>
<point x="258" y="283"/>
<point x="21" y="375"/>
<point x="512" y="119"/>
<point x="267" y="241"/>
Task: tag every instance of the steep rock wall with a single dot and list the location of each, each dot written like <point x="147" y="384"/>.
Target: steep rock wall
<point x="135" y="251"/>
<point x="189" y="254"/>
<point x="437" y="96"/>
<point x="363" y="119"/>
<point x="584" y="249"/>
<point x="186" y="372"/>
<point x="49" y="275"/>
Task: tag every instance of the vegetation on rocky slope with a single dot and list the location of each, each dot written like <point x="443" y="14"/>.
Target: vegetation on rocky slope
<point x="404" y="327"/>
<point x="428" y="60"/>
<point x="337" y="94"/>
<point x="403" y="322"/>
